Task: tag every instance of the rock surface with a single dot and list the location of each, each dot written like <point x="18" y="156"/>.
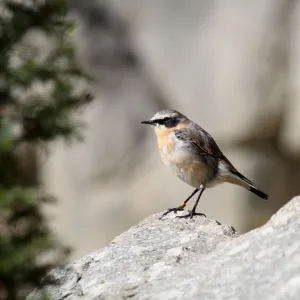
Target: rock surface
<point x="189" y="259"/>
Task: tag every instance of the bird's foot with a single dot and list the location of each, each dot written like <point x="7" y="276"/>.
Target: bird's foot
<point x="191" y="214"/>
<point x="175" y="210"/>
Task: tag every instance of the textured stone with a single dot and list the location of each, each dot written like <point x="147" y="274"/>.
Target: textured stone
<point x="189" y="259"/>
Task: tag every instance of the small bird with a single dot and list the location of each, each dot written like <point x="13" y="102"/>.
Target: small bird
<point x="194" y="156"/>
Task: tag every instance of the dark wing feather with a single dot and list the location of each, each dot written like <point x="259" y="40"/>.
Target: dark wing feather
<point x="212" y="146"/>
<point x="204" y="142"/>
<point x="208" y="143"/>
<point x="201" y="140"/>
<point x="185" y="136"/>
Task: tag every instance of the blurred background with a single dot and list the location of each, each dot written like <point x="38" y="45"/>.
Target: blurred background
<point x="231" y="66"/>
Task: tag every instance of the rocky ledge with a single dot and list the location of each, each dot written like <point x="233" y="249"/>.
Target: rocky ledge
<point x="188" y="259"/>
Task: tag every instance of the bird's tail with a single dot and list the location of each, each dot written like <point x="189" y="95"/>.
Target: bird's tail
<point x="239" y="179"/>
<point x="258" y="192"/>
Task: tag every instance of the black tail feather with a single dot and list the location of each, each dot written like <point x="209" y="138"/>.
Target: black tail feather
<point x="249" y="185"/>
<point x="238" y="174"/>
<point x="258" y="192"/>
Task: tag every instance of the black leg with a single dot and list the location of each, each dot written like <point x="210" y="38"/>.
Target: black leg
<point x="181" y="206"/>
<point x="193" y="211"/>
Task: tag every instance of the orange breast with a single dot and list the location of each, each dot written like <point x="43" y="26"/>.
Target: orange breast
<point x="182" y="163"/>
<point x="165" y="143"/>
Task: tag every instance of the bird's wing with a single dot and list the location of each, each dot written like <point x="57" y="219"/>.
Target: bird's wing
<point x="186" y="136"/>
<point x="204" y="145"/>
<point x="200" y="140"/>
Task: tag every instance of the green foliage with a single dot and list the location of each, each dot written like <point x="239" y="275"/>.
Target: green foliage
<point x="37" y="98"/>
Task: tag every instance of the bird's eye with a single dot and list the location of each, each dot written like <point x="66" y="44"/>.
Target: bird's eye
<point x="171" y="122"/>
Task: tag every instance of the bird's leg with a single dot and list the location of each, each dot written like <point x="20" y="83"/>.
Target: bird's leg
<point x="193" y="211"/>
<point x="181" y="206"/>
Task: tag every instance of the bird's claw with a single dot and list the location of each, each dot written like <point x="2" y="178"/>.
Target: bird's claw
<point x="191" y="214"/>
<point x="175" y="210"/>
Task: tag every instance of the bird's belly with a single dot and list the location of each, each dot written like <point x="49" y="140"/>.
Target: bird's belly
<point x="185" y="167"/>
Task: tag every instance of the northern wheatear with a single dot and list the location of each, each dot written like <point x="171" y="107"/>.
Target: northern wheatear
<point x="193" y="156"/>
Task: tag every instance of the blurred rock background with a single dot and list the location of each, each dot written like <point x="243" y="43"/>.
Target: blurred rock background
<point x="231" y="66"/>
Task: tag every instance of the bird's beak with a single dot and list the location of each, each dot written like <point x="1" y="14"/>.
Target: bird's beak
<point x="149" y="122"/>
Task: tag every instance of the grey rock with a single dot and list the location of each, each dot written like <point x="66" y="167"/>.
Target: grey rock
<point x="189" y="259"/>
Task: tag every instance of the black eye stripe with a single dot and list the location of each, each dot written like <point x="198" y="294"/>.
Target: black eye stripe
<point x="166" y="119"/>
<point x="162" y="121"/>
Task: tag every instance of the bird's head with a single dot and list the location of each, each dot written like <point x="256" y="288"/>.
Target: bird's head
<point x="166" y="119"/>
